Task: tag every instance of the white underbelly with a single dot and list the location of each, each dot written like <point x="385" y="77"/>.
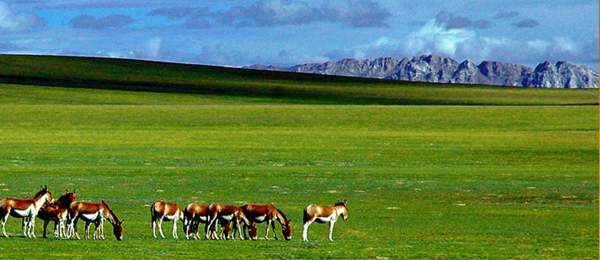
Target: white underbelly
<point x="261" y="219"/>
<point x="90" y="217"/>
<point x="323" y="219"/>
<point x="21" y="213"/>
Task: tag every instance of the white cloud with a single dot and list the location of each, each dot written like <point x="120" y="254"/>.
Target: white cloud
<point x="12" y="23"/>
<point x="538" y="46"/>
<point x="150" y="49"/>
<point x="435" y="39"/>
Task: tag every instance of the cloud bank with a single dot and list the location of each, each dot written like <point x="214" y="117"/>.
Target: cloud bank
<point x="111" y="21"/>
<point x="269" y="13"/>
<point x="457" y="37"/>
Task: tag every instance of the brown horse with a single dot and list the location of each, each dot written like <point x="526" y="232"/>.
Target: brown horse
<point x="93" y="213"/>
<point x="57" y="212"/>
<point x="225" y="214"/>
<point x="256" y="213"/>
<point x="194" y="214"/>
<point x="26" y="209"/>
<point x="165" y="211"/>
<point x="323" y="214"/>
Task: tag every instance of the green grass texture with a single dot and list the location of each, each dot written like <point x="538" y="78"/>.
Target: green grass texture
<point x="428" y="181"/>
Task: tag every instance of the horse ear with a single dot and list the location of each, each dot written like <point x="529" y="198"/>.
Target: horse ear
<point x="345" y="202"/>
<point x="73" y="191"/>
<point x="121" y="223"/>
<point x="67" y="190"/>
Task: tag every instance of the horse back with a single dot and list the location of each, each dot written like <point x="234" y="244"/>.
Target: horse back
<point x="12" y="203"/>
<point x="161" y="208"/>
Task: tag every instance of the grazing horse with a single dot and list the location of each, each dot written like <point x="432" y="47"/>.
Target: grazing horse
<point x="323" y="214"/>
<point x="93" y="213"/>
<point x="256" y="213"/>
<point x="165" y="211"/>
<point x="57" y="212"/>
<point x="194" y="214"/>
<point x="26" y="209"/>
<point x="225" y="214"/>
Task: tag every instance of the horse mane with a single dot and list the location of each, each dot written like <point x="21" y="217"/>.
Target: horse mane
<point x="115" y="218"/>
<point x="44" y="190"/>
<point x="340" y="204"/>
<point x="283" y="215"/>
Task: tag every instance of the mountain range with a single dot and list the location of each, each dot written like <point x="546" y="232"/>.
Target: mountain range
<point x="436" y="69"/>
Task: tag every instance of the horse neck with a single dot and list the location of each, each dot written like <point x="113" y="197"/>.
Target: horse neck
<point x="339" y="210"/>
<point x="40" y="200"/>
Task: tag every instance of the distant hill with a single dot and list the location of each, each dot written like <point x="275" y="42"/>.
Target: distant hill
<point x="436" y="69"/>
<point x="44" y="72"/>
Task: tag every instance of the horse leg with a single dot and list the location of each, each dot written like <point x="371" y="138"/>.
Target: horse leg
<point x="86" y="233"/>
<point x="24" y="224"/>
<point x="46" y="221"/>
<point x="244" y="230"/>
<point x="175" y="228"/>
<point x="154" y="226"/>
<point x="56" y="228"/>
<point x="331" y="223"/>
<point x="209" y="227"/>
<point x="267" y="232"/>
<point x="61" y="228"/>
<point x="4" y="219"/>
<point x="101" y="229"/>
<point x="274" y="230"/>
<point x="305" y="230"/>
<point x="238" y="228"/>
<point x="160" y="221"/>
<point x="32" y="226"/>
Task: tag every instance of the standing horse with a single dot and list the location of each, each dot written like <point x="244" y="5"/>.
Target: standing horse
<point x="225" y="214"/>
<point x="26" y="209"/>
<point x="323" y="214"/>
<point x="57" y="212"/>
<point x="93" y="213"/>
<point x="256" y="213"/>
<point x="194" y="214"/>
<point x="165" y="211"/>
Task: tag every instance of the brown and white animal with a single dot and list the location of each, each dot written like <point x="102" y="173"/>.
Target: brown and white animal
<point x="257" y="213"/>
<point x="194" y="214"/>
<point x="323" y="214"/>
<point x="93" y="213"/>
<point x="57" y="212"/>
<point x="27" y="209"/>
<point x="163" y="211"/>
<point x="225" y="214"/>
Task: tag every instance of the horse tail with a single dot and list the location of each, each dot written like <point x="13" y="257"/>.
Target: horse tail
<point x="306" y="216"/>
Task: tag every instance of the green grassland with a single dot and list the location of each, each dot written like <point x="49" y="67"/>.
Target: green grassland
<point x="429" y="181"/>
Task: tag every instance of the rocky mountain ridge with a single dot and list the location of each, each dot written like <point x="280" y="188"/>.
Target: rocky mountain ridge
<point x="436" y="69"/>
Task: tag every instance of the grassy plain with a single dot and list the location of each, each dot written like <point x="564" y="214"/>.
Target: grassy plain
<point x="491" y="182"/>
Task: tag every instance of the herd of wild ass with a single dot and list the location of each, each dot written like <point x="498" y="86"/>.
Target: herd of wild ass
<point x="66" y="212"/>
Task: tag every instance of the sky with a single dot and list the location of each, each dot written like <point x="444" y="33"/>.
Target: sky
<point x="289" y="32"/>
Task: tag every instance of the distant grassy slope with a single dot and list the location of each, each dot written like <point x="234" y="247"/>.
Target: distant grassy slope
<point x="261" y="86"/>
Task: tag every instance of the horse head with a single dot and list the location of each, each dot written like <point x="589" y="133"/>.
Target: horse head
<point x="118" y="230"/>
<point x="44" y="194"/>
<point x="342" y="206"/>
<point x="252" y="232"/>
<point x="65" y="200"/>
<point x="287" y="230"/>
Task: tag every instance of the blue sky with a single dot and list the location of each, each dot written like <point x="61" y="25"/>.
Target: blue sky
<point x="289" y="32"/>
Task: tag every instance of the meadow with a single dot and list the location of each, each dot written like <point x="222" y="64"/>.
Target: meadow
<point x="422" y="181"/>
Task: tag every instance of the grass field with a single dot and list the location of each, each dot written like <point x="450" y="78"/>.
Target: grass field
<point x="490" y="182"/>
